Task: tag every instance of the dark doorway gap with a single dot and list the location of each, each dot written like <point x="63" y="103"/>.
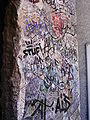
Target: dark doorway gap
<point x="3" y="6"/>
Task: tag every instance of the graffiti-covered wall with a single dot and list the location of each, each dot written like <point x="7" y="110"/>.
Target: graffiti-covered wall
<point x="48" y="61"/>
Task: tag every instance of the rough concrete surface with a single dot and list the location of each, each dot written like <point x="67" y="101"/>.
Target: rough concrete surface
<point x="83" y="32"/>
<point x="10" y="73"/>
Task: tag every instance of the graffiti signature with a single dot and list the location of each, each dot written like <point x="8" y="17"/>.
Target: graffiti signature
<point x="62" y="105"/>
<point x="34" y="27"/>
<point x="57" y="24"/>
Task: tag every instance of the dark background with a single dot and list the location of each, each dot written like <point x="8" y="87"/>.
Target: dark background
<point x="3" y="6"/>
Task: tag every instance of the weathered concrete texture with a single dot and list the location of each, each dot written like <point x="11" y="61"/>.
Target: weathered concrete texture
<point x="48" y="58"/>
<point x="83" y="31"/>
<point x="10" y="74"/>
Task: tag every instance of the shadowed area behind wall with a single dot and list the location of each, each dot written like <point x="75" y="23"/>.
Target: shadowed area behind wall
<point x="3" y="5"/>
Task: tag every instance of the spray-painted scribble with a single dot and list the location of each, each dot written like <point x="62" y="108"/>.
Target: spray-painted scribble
<point x="34" y="27"/>
<point x="62" y="104"/>
<point x="48" y="61"/>
<point x="57" y="23"/>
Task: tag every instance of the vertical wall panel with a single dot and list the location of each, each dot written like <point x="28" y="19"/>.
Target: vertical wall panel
<point x="48" y="61"/>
